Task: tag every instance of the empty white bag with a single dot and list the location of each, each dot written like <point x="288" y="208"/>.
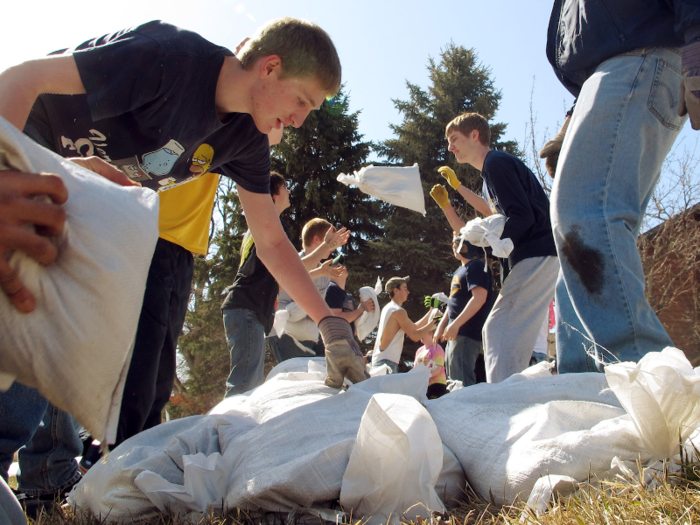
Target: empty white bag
<point x="75" y="347"/>
<point x="400" y="186"/>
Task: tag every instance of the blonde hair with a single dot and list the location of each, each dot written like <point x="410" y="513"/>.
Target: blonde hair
<point x="306" y="51"/>
<point x="468" y="122"/>
<point x="313" y="228"/>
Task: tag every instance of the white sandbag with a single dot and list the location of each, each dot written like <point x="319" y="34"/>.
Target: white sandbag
<point x="661" y="393"/>
<point x="284" y="446"/>
<point x="487" y="231"/>
<point x="400" y="186"/>
<point x="75" y="347"/>
<point x="395" y="462"/>
<point x="508" y="435"/>
<point x="368" y="321"/>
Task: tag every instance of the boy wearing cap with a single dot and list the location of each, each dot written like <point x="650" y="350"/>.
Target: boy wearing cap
<point x="394" y="324"/>
<point x="471" y="299"/>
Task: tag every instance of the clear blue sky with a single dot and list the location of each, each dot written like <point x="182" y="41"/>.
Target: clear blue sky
<point x="382" y="43"/>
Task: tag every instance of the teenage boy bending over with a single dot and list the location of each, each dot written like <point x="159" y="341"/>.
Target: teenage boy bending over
<point x="511" y="189"/>
<point x="164" y="106"/>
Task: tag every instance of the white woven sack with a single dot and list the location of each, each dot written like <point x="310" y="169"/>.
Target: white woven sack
<point x="368" y="321"/>
<point x="75" y="347"/>
<point x="395" y="462"/>
<point x="400" y="186"/>
<point x="507" y="435"/>
<point x="661" y="393"/>
<point x="487" y="231"/>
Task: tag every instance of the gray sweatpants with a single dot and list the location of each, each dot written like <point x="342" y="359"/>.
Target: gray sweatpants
<point x="511" y="329"/>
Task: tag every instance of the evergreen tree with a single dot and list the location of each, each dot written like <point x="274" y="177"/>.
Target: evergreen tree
<point x="310" y="158"/>
<point x="421" y="246"/>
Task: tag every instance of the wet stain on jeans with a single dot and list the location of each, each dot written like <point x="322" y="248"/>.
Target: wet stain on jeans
<point x="587" y="262"/>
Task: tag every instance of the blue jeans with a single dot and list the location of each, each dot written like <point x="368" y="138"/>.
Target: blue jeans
<point x="460" y="358"/>
<point x="246" y="345"/>
<point x="283" y="348"/>
<point x="47" y="440"/>
<point x="394" y="367"/>
<point x="624" y="125"/>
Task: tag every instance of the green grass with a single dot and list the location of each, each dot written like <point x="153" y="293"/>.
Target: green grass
<point x="675" y="501"/>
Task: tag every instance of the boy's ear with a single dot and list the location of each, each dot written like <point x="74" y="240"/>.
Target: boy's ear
<point x="270" y="65"/>
<point x="474" y="135"/>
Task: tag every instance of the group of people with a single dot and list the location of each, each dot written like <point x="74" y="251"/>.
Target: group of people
<point x="164" y="108"/>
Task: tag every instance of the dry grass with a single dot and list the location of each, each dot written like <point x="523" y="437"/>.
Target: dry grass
<point x="609" y="503"/>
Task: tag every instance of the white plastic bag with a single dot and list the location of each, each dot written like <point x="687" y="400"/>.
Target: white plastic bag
<point x="400" y="186"/>
<point x="368" y="321"/>
<point x="487" y="231"/>
<point x="661" y="393"/>
<point x="395" y="462"/>
<point x="75" y="347"/>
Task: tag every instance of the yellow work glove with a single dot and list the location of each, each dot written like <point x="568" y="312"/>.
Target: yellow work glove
<point x="450" y="177"/>
<point x="439" y="195"/>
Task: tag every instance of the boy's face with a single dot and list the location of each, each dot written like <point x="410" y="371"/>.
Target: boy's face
<point x="461" y="145"/>
<point x="401" y="293"/>
<point x="280" y="102"/>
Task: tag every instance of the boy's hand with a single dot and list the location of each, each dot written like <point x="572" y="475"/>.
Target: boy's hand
<point x="690" y="85"/>
<point x="332" y="271"/>
<point x="451" y="332"/>
<point x="18" y="208"/>
<point x="551" y="149"/>
<point x="335" y="239"/>
<point x="105" y="169"/>
<point x="439" y="195"/>
<point x="367" y="306"/>
<point x="431" y="302"/>
<point x="343" y="357"/>
<point x="450" y="176"/>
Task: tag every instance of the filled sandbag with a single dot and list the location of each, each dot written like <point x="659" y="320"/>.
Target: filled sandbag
<point x="400" y="186"/>
<point x="75" y="347"/>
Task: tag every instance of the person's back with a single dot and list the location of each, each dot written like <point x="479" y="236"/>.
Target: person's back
<point x="387" y="346"/>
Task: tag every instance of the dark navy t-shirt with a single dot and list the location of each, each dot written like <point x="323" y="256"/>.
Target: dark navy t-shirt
<point x="150" y="110"/>
<point x="464" y="280"/>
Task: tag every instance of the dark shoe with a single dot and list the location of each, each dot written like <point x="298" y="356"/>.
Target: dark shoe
<point x="91" y="457"/>
<point x="33" y="505"/>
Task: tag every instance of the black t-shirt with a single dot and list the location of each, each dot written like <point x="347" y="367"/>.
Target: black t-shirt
<point x="254" y="287"/>
<point x="464" y="280"/>
<point x="514" y="191"/>
<point x="150" y="110"/>
<point x="338" y="298"/>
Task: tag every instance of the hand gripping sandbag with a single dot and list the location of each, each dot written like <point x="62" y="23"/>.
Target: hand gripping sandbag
<point x="400" y="186"/>
<point x="487" y="232"/>
<point x="75" y="347"/>
<point x="368" y="321"/>
<point x="661" y="394"/>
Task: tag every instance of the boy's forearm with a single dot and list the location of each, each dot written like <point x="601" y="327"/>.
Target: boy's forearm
<point x="312" y="260"/>
<point x="477" y="202"/>
<point x="451" y="215"/>
<point x="279" y="256"/>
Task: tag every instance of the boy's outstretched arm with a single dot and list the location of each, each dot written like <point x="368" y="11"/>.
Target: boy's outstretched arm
<point x="20" y="85"/>
<point x="278" y="255"/>
<point x="439" y="195"/>
<point x="477" y="202"/>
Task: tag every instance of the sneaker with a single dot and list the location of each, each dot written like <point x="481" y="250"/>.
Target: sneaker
<point x="91" y="457"/>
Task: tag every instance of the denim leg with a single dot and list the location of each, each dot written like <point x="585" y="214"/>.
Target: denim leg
<point x="283" y="348"/>
<point x="460" y="359"/>
<point x="623" y="127"/>
<point x="21" y="411"/>
<point x="47" y="463"/>
<point x="246" y="345"/>
<point x="149" y="381"/>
